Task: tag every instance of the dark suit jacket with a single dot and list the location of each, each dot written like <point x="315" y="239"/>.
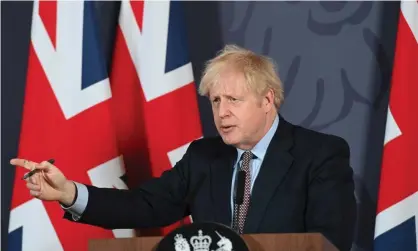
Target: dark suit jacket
<point x="305" y="184"/>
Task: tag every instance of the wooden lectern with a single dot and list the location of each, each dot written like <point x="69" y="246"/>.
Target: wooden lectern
<point x="255" y="242"/>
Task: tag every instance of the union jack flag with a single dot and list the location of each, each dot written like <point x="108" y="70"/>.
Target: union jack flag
<point x="143" y="116"/>
<point x="396" y="222"/>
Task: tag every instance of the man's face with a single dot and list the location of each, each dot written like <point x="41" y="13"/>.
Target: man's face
<point x="240" y="115"/>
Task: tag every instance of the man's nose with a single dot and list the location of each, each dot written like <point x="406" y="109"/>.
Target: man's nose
<point x="223" y="109"/>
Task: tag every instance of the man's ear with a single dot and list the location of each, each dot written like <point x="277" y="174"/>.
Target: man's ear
<point x="268" y="100"/>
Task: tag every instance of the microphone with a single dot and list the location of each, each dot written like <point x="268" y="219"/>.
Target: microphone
<point x="239" y="195"/>
<point x="239" y="198"/>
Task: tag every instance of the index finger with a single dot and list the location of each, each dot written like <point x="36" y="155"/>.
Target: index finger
<point x="23" y="163"/>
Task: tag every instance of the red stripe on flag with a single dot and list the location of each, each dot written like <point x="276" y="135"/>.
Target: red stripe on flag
<point x="172" y="121"/>
<point x="48" y="14"/>
<point x="128" y="105"/>
<point x="138" y="9"/>
<point x="400" y="161"/>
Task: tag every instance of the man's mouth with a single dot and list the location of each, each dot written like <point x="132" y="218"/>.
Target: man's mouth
<point x="227" y="128"/>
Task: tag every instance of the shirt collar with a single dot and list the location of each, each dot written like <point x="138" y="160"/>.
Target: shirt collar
<point x="260" y="148"/>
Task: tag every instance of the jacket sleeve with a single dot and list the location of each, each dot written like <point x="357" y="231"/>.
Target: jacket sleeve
<point x="158" y="202"/>
<point x="332" y="206"/>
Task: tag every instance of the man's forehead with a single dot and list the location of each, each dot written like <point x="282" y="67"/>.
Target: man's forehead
<point x="229" y="84"/>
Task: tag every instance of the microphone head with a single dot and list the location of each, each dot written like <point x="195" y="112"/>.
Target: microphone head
<point x="240" y="187"/>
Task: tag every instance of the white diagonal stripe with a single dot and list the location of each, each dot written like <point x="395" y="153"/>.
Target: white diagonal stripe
<point x="148" y="49"/>
<point x="63" y="65"/>
<point x="392" y="129"/>
<point x="396" y="214"/>
<point x="410" y="12"/>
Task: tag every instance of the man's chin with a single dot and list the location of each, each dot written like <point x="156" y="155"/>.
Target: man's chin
<point x="228" y="140"/>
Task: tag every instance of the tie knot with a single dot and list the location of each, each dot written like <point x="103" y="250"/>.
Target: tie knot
<point x="247" y="156"/>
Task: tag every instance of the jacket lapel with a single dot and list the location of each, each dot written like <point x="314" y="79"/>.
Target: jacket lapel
<point x="276" y="163"/>
<point x="220" y="182"/>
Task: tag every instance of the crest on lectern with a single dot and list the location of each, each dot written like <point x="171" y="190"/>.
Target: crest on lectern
<point x="203" y="237"/>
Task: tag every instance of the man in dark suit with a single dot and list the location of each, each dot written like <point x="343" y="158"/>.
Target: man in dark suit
<point x="295" y="179"/>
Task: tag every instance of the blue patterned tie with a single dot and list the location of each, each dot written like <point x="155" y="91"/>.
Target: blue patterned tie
<point x="240" y="211"/>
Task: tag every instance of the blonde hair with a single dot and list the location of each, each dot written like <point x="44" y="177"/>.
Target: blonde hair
<point x="259" y="71"/>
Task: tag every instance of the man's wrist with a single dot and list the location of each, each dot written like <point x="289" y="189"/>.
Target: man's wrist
<point x="69" y="194"/>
